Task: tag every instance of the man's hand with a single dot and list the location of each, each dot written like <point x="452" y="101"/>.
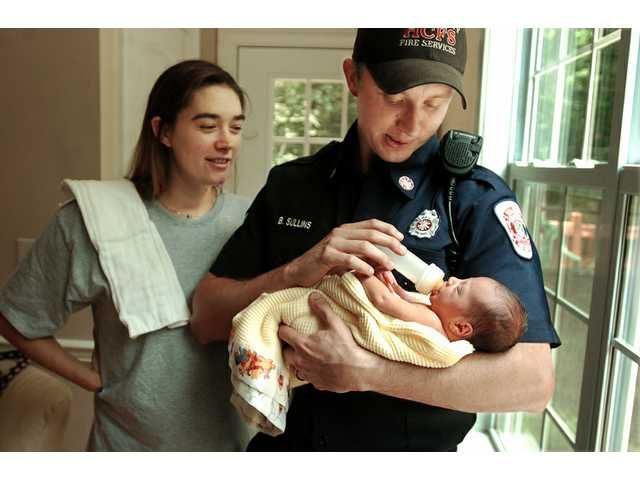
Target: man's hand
<point x="348" y="247"/>
<point x="330" y="359"/>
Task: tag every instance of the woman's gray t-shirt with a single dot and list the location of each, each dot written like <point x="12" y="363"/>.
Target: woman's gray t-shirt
<point x="161" y="391"/>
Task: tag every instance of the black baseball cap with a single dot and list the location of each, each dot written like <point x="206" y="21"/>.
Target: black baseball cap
<point x="401" y="58"/>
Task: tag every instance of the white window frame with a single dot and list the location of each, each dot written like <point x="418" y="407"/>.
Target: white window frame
<point x="599" y="43"/>
<point x="617" y="182"/>
<point x="308" y="140"/>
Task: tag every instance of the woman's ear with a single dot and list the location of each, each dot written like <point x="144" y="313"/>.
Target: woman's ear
<point x="160" y="131"/>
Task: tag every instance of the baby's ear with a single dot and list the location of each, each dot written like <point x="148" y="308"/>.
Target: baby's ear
<point x="464" y="328"/>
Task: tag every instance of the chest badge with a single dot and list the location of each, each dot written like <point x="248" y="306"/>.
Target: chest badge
<point x="425" y="225"/>
<point x="510" y="217"/>
<point x="294" y="222"/>
<point x="406" y="183"/>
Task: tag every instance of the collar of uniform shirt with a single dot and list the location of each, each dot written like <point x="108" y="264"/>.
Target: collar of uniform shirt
<point x="415" y="167"/>
<point x="408" y="175"/>
<point x="347" y="167"/>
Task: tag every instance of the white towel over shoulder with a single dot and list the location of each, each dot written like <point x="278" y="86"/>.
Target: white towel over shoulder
<point x="144" y="284"/>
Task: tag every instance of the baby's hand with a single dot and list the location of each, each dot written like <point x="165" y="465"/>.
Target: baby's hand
<point x="386" y="277"/>
<point x="389" y="281"/>
<point x="401" y="292"/>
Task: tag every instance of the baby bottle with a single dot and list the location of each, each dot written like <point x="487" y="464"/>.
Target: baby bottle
<point x="426" y="277"/>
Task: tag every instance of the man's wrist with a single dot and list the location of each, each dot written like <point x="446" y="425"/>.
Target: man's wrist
<point x="374" y="369"/>
<point x="288" y="274"/>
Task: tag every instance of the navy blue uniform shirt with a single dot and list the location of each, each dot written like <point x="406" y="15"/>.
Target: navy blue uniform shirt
<point x="300" y="204"/>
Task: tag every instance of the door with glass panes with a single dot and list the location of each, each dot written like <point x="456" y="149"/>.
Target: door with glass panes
<point x="298" y="102"/>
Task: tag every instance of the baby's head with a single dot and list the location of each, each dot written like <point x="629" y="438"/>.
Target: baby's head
<point x="480" y="310"/>
<point x="498" y="323"/>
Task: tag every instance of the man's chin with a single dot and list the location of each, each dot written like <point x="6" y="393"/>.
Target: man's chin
<point x="395" y="156"/>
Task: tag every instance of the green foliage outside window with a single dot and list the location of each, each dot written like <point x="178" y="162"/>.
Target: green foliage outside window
<point x="606" y="82"/>
<point x="326" y="110"/>
<point x="565" y="63"/>
<point x="308" y="122"/>
<point x="574" y="110"/>
<point x="579" y="38"/>
<point x="550" y="47"/>
<point x="283" y="152"/>
<point x="544" y="119"/>
<point x="289" y="109"/>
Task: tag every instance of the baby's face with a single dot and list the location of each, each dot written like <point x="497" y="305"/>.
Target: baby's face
<point x="457" y="297"/>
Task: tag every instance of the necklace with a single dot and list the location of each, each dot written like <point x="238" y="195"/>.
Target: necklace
<point x="188" y="215"/>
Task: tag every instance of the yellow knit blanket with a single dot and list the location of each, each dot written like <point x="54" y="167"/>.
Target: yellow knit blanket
<point x="261" y="381"/>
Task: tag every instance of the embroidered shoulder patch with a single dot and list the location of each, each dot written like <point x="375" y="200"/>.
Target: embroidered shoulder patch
<point x="510" y="217"/>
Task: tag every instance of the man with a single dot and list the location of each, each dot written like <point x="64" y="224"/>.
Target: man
<point x="383" y="185"/>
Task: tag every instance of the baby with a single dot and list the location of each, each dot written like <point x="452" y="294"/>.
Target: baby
<point x="478" y="309"/>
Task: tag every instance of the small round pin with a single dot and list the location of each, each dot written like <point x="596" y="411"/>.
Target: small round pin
<point x="406" y="183"/>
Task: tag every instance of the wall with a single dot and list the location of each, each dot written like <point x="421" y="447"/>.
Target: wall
<point x="209" y="44"/>
<point x="457" y="117"/>
<point x="49" y="128"/>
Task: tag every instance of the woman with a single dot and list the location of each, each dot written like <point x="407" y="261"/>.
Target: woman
<point x="159" y="390"/>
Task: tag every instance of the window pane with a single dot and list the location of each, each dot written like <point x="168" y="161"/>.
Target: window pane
<point x="542" y="210"/>
<point x="574" y="111"/>
<point x="544" y="115"/>
<point x="634" y="434"/>
<point x="607" y="31"/>
<point x="326" y="109"/>
<point x="524" y="193"/>
<point x="520" y="432"/>
<point x="548" y="240"/>
<point x="288" y="108"/>
<point x="315" y="147"/>
<point x="634" y="143"/>
<point x="554" y="440"/>
<point x="569" y="365"/>
<point x="578" y="38"/>
<point x="532" y="428"/>
<point x="580" y="246"/>
<point x="550" y="46"/>
<point x="606" y="85"/>
<point x="630" y="286"/>
<point x="283" y="152"/>
<point x="542" y="207"/>
<point x="624" y="417"/>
